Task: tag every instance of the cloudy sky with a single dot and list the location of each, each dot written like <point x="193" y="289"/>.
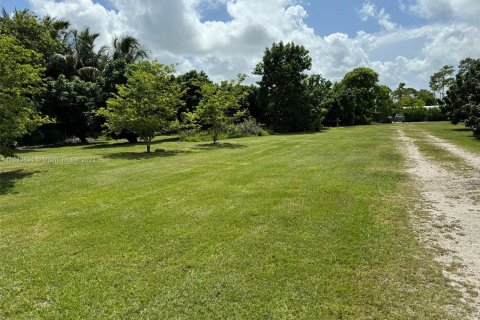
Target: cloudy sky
<point x="403" y="40"/>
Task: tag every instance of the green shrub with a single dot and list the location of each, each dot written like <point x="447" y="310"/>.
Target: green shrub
<point x="194" y="135"/>
<point x="418" y="114"/>
<point x="247" y="128"/>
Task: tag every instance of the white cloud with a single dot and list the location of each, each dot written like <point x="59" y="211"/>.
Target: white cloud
<point x="464" y="10"/>
<point x="175" y="32"/>
<point x="369" y="10"/>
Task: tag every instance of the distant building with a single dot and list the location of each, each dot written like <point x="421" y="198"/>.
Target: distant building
<point x="426" y="107"/>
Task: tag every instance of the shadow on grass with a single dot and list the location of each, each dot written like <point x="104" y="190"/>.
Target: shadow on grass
<point x="9" y="178"/>
<point x="462" y="130"/>
<point x="307" y="133"/>
<point x="225" y="145"/>
<point x="106" y="145"/>
<point x="144" y="155"/>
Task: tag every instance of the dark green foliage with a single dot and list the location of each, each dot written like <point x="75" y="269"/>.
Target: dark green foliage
<point x="251" y="103"/>
<point x="462" y="101"/>
<point x="427" y="96"/>
<point x="192" y="81"/>
<point x="355" y="97"/>
<point x="282" y="87"/>
<point x="418" y="114"/>
<point x="70" y="103"/>
<point x="48" y="134"/>
<point x="383" y="104"/>
<point x="113" y="74"/>
<point x="317" y="100"/>
<point x="127" y="48"/>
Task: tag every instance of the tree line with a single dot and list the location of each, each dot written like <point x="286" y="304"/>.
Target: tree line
<point x="55" y="84"/>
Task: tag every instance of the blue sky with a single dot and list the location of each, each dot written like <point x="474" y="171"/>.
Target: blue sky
<point x="403" y="40"/>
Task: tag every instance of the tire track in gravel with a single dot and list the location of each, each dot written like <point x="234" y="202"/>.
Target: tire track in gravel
<point x="450" y="223"/>
<point x="469" y="157"/>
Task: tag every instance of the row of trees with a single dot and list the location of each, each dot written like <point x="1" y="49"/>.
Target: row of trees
<point x="58" y="82"/>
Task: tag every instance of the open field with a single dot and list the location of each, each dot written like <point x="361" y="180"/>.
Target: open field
<point x="290" y="226"/>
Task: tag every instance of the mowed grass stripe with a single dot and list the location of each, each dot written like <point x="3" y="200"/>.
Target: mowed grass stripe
<point x="290" y="226"/>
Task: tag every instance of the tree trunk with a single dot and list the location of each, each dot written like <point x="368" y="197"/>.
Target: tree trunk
<point x="149" y="142"/>
<point x="215" y="135"/>
<point x="83" y="137"/>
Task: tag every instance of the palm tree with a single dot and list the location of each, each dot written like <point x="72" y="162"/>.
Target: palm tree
<point x="80" y="58"/>
<point x="82" y="47"/>
<point x="58" y="28"/>
<point x="127" y="48"/>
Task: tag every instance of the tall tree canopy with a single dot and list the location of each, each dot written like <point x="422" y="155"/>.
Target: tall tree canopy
<point x="317" y="100"/>
<point x="32" y="33"/>
<point x="147" y="104"/>
<point x="127" y="48"/>
<point x="193" y="81"/>
<point x="356" y="96"/>
<point x="282" y="87"/>
<point x="462" y="101"/>
<point x="441" y="80"/>
<point x="71" y="103"/>
<point x="20" y="78"/>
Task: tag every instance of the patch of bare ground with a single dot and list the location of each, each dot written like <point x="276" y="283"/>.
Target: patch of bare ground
<point x="450" y="219"/>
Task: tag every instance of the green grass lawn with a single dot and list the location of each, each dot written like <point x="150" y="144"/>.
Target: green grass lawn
<point x="312" y="226"/>
<point x="457" y="134"/>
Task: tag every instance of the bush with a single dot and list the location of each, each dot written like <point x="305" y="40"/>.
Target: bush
<point x="247" y="128"/>
<point x="48" y="134"/>
<point x="418" y="114"/>
<point x="194" y="135"/>
<point x="6" y="151"/>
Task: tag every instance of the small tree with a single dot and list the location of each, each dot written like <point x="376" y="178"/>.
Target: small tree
<point x="147" y="104"/>
<point x="19" y="78"/>
<point x="219" y="106"/>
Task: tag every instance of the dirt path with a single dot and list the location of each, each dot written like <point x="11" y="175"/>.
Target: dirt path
<point x="471" y="158"/>
<point x="451" y="221"/>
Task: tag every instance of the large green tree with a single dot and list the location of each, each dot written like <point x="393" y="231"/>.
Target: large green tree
<point x="147" y="104"/>
<point x="383" y="103"/>
<point x="20" y="78"/>
<point x="282" y="87"/>
<point x="317" y="99"/>
<point x="462" y="101"/>
<point x="71" y="103"/>
<point x="219" y="106"/>
<point x="192" y="81"/>
<point x="356" y="96"/>
<point x="32" y="32"/>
